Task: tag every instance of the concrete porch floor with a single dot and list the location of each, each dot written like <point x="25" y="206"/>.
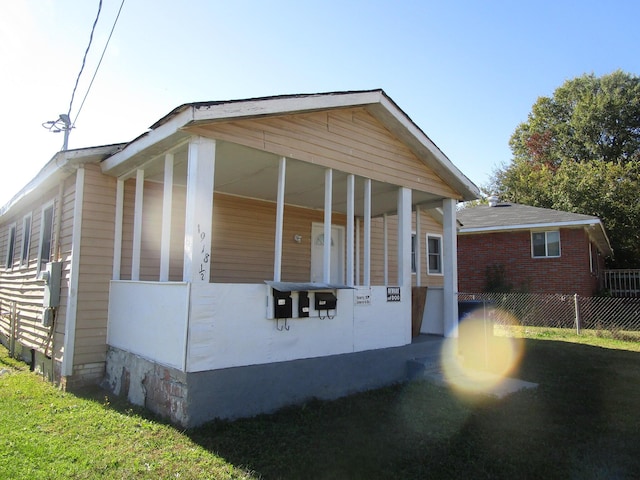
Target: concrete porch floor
<point x="430" y="368"/>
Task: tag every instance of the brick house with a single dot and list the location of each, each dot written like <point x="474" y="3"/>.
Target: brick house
<point x="507" y="246"/>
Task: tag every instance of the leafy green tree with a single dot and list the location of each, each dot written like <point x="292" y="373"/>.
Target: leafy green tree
<point x="579" y="151"/>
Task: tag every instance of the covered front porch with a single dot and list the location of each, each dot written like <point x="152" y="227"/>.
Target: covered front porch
<point x="210" y="232"/>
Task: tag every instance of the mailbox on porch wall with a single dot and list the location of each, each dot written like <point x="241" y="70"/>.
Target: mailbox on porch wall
<point x="325" y="301"/>
<point x="282" y="304"/>
<point x="303" y="304"/>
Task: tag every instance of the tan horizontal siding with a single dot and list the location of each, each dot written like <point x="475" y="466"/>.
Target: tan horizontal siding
<point x="20" y="285"/>
<point x="348" y="140"/>
<point x="95" y="268"/>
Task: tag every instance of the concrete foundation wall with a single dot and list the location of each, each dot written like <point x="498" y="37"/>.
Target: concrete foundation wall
<point x="191" y="399"/>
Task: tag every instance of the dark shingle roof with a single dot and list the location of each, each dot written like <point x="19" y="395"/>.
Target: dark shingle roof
<point x="510" y="215"/>
<point x="513" y="216"/>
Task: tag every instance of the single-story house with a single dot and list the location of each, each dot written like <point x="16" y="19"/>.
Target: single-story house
<point x="507" y="246"/>
<point x="236" y="257"/>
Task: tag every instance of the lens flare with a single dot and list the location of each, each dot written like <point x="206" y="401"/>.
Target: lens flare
<point x="479" y="361"/>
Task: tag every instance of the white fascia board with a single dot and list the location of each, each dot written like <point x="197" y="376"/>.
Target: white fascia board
<point x="531" y="226"/>
<point x="472" y="191"/>
<point x="603" y="242"/>
<point x="148" y="139"/>
<point x="284" y="105"/>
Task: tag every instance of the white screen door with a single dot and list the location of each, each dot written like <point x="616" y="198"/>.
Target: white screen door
<point x="337" y="253"/>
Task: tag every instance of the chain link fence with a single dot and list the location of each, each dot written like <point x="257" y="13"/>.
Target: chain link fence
<point x="520" y="314"/>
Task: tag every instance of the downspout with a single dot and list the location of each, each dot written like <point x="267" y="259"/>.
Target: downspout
<point x="72" y="299"/>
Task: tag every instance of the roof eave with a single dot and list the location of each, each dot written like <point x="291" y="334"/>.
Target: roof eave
<point x="60" y="166"/>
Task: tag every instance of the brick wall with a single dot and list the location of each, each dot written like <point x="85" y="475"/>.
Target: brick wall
<point x="568" y="274"/>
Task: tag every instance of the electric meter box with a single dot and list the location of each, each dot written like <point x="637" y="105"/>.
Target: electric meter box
<point x="51" y="276"/>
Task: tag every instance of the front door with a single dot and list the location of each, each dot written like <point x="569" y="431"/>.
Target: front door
<point x="337" y="253"/>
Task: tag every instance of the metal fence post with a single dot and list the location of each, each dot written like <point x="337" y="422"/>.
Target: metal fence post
<point x="577" y="304"/>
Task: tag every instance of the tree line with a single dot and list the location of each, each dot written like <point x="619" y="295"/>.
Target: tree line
<point x="579" y="151"/>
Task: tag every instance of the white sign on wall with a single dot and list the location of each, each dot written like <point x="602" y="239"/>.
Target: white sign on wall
<point x="362" y="296"/>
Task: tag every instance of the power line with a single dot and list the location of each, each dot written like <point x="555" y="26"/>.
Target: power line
<point x="84" y="59"/>
<point x="99" y="63"/>
<point x="64" y="123"/>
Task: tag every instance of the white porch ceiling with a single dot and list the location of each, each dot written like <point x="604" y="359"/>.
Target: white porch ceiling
<point x="251" y="173"/>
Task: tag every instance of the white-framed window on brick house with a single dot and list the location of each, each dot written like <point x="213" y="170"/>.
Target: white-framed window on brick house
<point x="11" y="245"/>
<point x="46" y="236"/>
<point x="545" y="244"/>
<point x="434" y="254"/>
<point x="26" y="240"/>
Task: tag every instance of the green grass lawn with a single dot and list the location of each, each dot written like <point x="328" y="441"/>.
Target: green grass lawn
<point x="581" y="422"/>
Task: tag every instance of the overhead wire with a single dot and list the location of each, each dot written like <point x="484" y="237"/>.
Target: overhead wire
<point x="84" y="59"/>
<point x="99" y="63"/>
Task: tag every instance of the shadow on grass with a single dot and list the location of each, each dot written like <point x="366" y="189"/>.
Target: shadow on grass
<point x="581" y="422"/>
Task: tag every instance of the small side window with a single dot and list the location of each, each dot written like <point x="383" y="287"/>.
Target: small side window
<point x="545" y="244"/>
<point x="434" y="254"/>
<point x="413" y="253"/>
<point x="26" y="240"/>
<point x="11" y="245"/>
<point x="46" y="236"/>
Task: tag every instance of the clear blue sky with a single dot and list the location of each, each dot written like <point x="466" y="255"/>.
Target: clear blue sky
<point x="466" y="72"/>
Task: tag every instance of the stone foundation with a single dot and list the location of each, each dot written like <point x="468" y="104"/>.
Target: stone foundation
<point x="163" y="390"/>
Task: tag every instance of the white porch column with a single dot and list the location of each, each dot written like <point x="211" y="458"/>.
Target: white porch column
<point x="277" y="262"/>
<point x="117" y="239"/>
<point x="404" y="237"/>
<point x="350" y="233"/>
<point x="198" y="221"/>
<point x="137" y="226"/>
<point x="385" y="241"/>
<point x="450" y="267"/>
<point x="418" y="248"/>
<point x="367" y="232"/>
<point x="357" y="273"/>
<point x="326" y="257"/>
<point x="167" y="203"/>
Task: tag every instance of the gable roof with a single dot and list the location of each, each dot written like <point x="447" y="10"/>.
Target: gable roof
<point x="170" y="129"/>
<point x="513" y="216"/>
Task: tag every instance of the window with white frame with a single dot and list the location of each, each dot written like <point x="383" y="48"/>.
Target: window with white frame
<point x="26" y="240"/>
<point x="545" y="244"/>
<point x="413" y="253"/>
<point x="11" y="245"/>
<point x="46" y="236"/>
<point x="434" y="254"/>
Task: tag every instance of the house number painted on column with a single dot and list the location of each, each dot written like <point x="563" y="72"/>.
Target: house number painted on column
<point x="204" y="254"/>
